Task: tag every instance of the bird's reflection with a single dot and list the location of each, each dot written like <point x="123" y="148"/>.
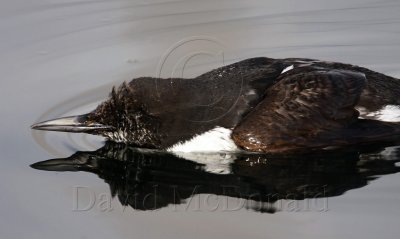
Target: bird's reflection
<point x="148" y="180"/>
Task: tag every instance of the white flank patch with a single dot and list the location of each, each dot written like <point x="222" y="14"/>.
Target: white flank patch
<point x="389" y="113"/>
<point x="215" y="140"/>
<point x="288" y="69"/>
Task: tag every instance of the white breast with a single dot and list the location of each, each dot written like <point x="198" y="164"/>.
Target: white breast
<point x="214" y="149"/>
<point x="215" y="140"/>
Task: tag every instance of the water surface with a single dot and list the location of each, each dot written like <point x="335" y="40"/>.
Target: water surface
<point x="62" y="57"/>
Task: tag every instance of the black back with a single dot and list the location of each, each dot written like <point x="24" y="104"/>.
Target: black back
<point x="186" y="107"/>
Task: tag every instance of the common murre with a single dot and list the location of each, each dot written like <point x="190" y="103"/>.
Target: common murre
<point x="259" y="104"/>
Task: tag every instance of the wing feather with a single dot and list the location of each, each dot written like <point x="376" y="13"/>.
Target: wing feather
<point x="303" y="110"/>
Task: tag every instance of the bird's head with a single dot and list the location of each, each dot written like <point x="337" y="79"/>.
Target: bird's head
<point x="121" y="118"/>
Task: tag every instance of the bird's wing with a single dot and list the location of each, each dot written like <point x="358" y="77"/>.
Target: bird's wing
<point x="303" y="110"/>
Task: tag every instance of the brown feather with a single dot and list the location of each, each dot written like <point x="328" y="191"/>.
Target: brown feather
<point x="304" y="110"/>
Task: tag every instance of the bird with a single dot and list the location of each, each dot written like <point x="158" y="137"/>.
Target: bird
<point x="256" y="105"/>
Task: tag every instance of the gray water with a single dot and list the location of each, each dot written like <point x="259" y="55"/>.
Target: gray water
<point x="60" y="57"/>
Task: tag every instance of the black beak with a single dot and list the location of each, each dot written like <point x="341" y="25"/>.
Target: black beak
<point x="76" y="162"/>
<point x="75" y="124"/>
<point x="56" y="165"/>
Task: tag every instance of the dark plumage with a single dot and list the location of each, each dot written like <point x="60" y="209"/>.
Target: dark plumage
<point x="149" y="180"/>
<point x="313" y="106"/>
